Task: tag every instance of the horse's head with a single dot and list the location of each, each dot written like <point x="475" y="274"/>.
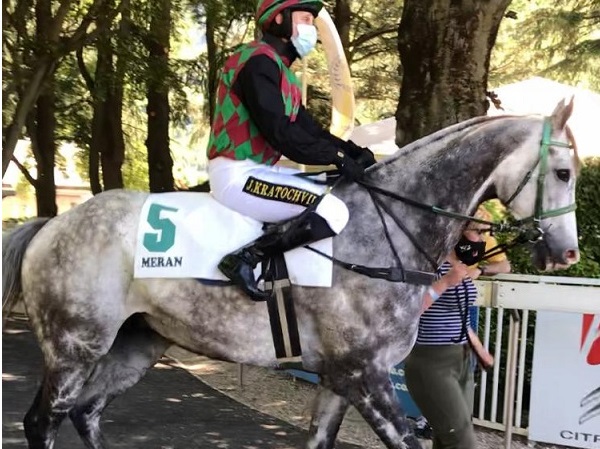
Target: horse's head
<point x="537" y="183"/>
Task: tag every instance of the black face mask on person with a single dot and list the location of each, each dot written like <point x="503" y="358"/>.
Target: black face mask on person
<point x="469" y="252"/>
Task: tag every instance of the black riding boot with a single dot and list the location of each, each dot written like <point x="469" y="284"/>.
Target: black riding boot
<point x="239" y="265"/>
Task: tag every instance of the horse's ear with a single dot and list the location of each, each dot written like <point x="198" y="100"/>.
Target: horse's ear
<point x="561" y="113"/>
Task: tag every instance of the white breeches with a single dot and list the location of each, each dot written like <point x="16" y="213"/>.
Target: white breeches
<point x="270" y="193"/>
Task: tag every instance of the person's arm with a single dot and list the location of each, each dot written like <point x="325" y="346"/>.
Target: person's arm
<point x="456" y="274"/>
<point x="496" y="264"/>
<point x="483" y="355"/>
<point x="257" y="85"/>
<point x="308" y="122"/>
<point x="311" y="125"/>
<point x="495" y="268"/>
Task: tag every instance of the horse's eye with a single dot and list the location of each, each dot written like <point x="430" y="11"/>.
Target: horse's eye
<point x="563" y="174"/>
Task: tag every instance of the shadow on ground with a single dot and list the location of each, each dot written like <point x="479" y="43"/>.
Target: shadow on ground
<point x="168" y="409"/>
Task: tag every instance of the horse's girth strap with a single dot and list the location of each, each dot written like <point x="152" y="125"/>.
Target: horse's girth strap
<point x="282" y="315"/>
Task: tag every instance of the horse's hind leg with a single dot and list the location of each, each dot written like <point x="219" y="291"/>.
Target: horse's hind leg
<point x="71" y="350"/>
<point x="136" y="348"/>
<point x="371" y="392"/>
<point x="61" y="384"/>
<point x="327" y="416"/>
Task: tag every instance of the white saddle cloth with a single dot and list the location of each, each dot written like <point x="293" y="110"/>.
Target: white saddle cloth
<point x="185" y="235"/>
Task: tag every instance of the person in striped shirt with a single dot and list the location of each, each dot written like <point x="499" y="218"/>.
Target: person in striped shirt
<point x="438" y="370"/>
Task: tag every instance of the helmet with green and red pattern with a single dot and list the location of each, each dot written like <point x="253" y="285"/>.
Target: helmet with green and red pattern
<point x="266" y="10"/>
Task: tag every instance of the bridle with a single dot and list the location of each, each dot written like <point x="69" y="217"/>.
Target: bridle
<point x="539" y="213"/>
<point x="528" y="229"/>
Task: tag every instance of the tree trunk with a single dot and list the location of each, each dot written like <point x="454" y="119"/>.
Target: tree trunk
<point x="112" y="160"/>
<point x="107" y="134"/>
<point x="107" y="144"/>
<point x="342" y="16"/>
<point x="94" y="171"/>
<point x="25" y="104"/>
<point x="445" y="48"/>
<point x="45" y="188"/>
<point x="113" y="154"/>
<point x="160" y="163"/>
<point x="212" y="55"/>
<point x="44" y="146"/>
<point x="98" y="139"/>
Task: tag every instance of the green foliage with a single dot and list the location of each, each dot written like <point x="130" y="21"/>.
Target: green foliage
<point x="135" y="166"/>
<point x="374" y="63"/>
<point x="557" y="40"/>
<point x="17" y="48"/>
<point x="588" y="224"/>
<point x="588" y="215"/>
<point x="129" y="43"/>
<point x="73" y="105"/>
<point x="11" y="223"/>
<point x="374" y="57"/>
<point x="560" y="41"/>
<point x="24" y="189"/>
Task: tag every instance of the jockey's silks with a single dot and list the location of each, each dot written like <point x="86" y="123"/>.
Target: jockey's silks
<point x="233" y="133"/>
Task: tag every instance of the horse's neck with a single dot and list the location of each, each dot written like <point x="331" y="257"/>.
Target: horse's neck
<point x="451" y="170"/>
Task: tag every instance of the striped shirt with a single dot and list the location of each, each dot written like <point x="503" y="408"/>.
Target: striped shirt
<point x="442" y="323"/>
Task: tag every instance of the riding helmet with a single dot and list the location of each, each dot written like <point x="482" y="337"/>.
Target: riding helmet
<point x="266" y="10"/>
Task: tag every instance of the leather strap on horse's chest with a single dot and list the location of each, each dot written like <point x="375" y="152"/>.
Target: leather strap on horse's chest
<point x="282" y="316"/>
<point x="392" y="274"/>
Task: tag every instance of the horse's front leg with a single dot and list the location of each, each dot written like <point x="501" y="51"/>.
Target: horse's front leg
<point x="371" y="392"/>
<point x="327" y="415"/>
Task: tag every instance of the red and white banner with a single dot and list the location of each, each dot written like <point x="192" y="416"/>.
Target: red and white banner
<point x="565" y="384"/>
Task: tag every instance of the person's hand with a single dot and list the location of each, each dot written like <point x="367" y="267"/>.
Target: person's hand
<point x="349" y="168"/>
<point x="456" y="274"/>
<point x="484" y="358"/>
<point x="366" y="158"/>
<point x="474" y="272"/>
<point x="487" y="360"/>
<point x="361" y="155"/>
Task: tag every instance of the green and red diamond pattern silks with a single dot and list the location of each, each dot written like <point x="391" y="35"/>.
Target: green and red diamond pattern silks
<point x="233" y="133"/>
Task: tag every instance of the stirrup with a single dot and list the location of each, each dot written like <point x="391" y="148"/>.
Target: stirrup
<point x="233" y="266"/>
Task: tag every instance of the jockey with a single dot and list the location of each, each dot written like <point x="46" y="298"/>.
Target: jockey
<point x="259" y="117"/>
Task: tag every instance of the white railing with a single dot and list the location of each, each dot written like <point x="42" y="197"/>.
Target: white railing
<point x="499" y="298"/>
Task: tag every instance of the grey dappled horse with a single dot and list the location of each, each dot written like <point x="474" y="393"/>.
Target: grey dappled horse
<point x="100" y="329"/>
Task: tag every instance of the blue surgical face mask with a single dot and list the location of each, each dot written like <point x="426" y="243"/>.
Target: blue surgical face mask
<point x="305" y="40"/>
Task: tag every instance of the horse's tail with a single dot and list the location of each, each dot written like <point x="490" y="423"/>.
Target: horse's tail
<point x="13" y="250"/>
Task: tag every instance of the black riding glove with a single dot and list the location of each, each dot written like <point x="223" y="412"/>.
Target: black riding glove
<point x="349" y="168"/>
<point x="362" y="155"/>
<point x="366" y="159"/>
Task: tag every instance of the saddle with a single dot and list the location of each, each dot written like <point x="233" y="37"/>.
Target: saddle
<point x="185" y="235"/>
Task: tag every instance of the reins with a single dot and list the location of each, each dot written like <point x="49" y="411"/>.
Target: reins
<point x="526" y="233"/>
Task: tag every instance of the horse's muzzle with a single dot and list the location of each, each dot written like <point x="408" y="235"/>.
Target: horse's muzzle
<point x="546" y="257"/>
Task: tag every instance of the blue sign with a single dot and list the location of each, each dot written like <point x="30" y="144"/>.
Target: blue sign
<point x="399" y="384"/>
<point x="309" y="377"/>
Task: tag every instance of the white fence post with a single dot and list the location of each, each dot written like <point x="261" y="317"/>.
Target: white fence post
<point x="511" y="368"/>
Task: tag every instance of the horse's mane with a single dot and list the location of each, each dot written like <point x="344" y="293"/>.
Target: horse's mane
<point x="438" y="137"/>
